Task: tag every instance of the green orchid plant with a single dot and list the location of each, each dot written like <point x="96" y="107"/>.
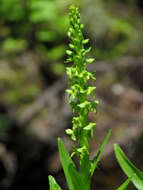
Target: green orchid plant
<point x="81" y="98"/>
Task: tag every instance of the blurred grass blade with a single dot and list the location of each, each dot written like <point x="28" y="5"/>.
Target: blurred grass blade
<point x="97" y="158"/>
<point x="135" y="175"/>
<point x="124" y="185"/>
<point x="53" y="184"/>
<point x="66" y="162"/>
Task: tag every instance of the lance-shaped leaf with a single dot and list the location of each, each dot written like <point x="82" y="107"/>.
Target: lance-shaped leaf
<point x="53" y="184"/>
<point x="97" y="158"/>
<point x="129" y="169"/>
<point x="67" y="163"/>
<point x="124" y="185"/>
<point x="76" y="179"/>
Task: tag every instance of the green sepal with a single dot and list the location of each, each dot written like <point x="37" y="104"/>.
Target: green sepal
<point x="71" y="46"/>
<point x="69" y="131"/>
<point x="70" y="71"/>
<point x="85" y="41"/>
<point x="69" y="91"/>
<point x="85" y="104"/>
<point x="90" y="89"/>
<point x="68" y="60"/>
<point x="88" y="50"/>
<point x="53" y="184"/>
<point x="68" y="52"/>
<point x="94" y="106"/>
<point x="90" y="128"/>
<point x="135" y="175"/>
<point x="90" y="60"/>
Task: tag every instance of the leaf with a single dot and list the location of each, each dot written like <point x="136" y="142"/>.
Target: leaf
<point x="97" y="158"/>
<point x="73" y="178"/>
<point x="66" y="162"/>
<point x="46" y="35"/>
<point x="53" y="184"/>
<point x="124" y="185"/>
<point x="76" y="179"/>
<point x="129" y="169"/>
<point x="56" y="53"/>
<point x="14" y="45"/>
<point x="41" y="11"/>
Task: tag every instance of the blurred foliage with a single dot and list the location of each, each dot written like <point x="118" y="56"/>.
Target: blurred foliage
<point x="36" y="26"/>
<point x="115" y="26"/>
<point x="4" y="123"/>
<point x="32" y="24"/>
<point x="40" y="26"/>
<point x="14" y="82"/>
<point x="32" y="49"/>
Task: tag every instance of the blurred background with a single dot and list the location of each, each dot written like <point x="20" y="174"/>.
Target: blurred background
<point x="33" y="103"/>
